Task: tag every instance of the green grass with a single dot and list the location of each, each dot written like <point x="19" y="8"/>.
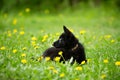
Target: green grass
<point x="101" y="41"/>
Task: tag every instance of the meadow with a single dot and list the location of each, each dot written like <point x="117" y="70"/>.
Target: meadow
<point x="24" y="35"/>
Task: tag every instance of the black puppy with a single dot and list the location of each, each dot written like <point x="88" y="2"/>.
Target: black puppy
<point x="69" y="45"/>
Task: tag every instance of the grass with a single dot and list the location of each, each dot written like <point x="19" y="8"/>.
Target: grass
<point x="21" y="44"/>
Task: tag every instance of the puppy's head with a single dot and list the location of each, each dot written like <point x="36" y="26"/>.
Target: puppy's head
<point x="66" y="40"/>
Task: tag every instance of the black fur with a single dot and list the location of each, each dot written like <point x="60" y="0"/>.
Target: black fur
<point x="69" y="45"/>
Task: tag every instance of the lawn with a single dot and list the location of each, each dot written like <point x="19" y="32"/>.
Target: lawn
<point x="24" y="35"/>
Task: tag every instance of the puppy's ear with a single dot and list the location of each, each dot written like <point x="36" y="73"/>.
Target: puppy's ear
<point x="66" y="30"/>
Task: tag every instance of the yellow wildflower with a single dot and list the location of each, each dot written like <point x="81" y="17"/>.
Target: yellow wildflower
<point x="79" y="68"/>
<point x="55" y="71"/>
<point x="23" y="55"/>
<point x="27" y="10"/>
<point x="47" y="58"/>
<point x="24" y="48"/>
<point x="33" y="43"/>
<point x="51" y="68"/>
<point x="22" y="32"/>
<point x="83" y="62"/>
<point x="15" y="31"/>
<point x="14" y="21"/>
<point x="47" y="11"/>
<point x="44" y="38"/>
<point x="14" y="51"/>
<point x="57" y="34"/>
<point x="82" y="32"/>
<point x="3" y="48"/>
<point x="62" y="75"/>
<point x="24" y="61"/>
<point x="112" y="41"/>
<point x="103" y="76"/>
<point x="57" y="59"/>
<point x="33" y="38"/>
<point x="107" y="36"/>
<point x="36" y="47"/>
<point x="117" y="63"/>
<point x="105" y="61"/>
<point x="40" y="58"/>
<point x="60" y="53"/>
<point x="9" y="34"/>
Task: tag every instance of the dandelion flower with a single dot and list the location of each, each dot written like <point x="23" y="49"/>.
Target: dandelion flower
<point x="22" y="32"/>
<point x="14" y="51"/>
<point x="117" y="63"/>
<point x="51" y="68"/>
<point x="57" y="59"/>
<point x="24" y="61"/>
<point x="14" y="21"/>
<point x="9" y="34"/>
<point x="15" y="31"/>
<point x="83" y="62"/>
<point x="112" y="41"/>
<point x="27" y="10"/>
<point x="3" y="48"/>
<point x="24" y="48"/>
<point x="55" y="71"/>
<point x="47" y="58"/>
<point x="62" y="75"/>
<point x="82" y="32"/>
<point x="79" y="68"/>
<point x="60" y="53"/>
<point x="33" y="38"/>
<point x="36" y="47"/>
<point x="107" y="36"/>
<point x="44" y="38"/>
<point x="23" y="55"/>
<point x="103" y="76"/>
<point x="105" y="61"/>
<point x="40" y="58"/>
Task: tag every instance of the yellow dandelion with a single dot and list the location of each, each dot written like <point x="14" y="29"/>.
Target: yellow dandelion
<point x="24" y="48"/>
<point x="24" y="61"/>
<point x="15" y="31"/>
<point x="62" y="75"/>
<point x="51" y="68"/>
<point x="112" y="41"/>
<point x="47" y="11"/>
<point x="9" y="34"/>
<point x="117" y="63"/>
<point x="14" y="21"/>
<point x="36" y="47"/>
<point x="27" y="10"/>
<point x="47" y="58"/>
<point x="57" y="59"/>
<point x="107" y="36"/>
<point x="3" y="48"/>
<point x="83" y="62"/>
<point x="60" y="53"/>
<point x="79" y="68"/>
<point x="15" y="51"/>
<point x="82" y="32"/>
<point x="103" y="76"/>
<point x="33" y="38"/>
<point x="22" y="32"/>
<point x="23" y="55"/>
<point x="40" y="58"/>
<point x="88" y="60"/>
<point x="105" y="60"/>
<point x="33" y="43"/>
<point x="55" y="71"/>
<point x="44" y="38"/>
